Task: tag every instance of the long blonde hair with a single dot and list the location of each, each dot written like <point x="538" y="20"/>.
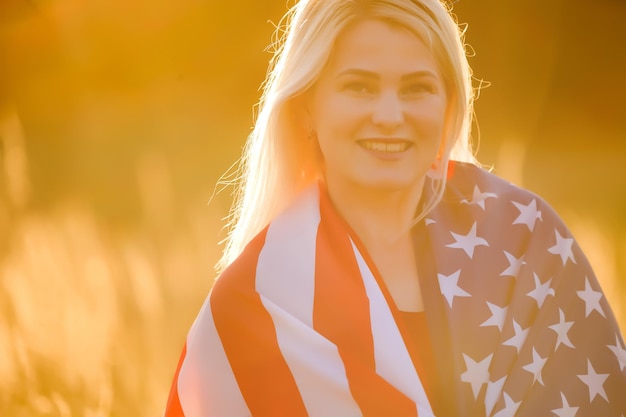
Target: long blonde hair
<point x="278" y="161"/>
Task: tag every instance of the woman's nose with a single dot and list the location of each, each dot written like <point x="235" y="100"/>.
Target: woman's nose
<point x="388" y="110"/>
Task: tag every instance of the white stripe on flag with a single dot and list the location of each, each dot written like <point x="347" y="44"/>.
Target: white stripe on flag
<point x="393" y="361"/>
<point x="316" y="366"/>
<point x="285" y="271"/>
<point x="201" y="393"/>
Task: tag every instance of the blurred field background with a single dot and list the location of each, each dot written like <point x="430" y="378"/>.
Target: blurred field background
<point x="118" y="117"/>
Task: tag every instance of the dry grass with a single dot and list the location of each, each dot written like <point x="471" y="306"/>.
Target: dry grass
<point x="93" y="320"/>
<point x="93" y="323"/>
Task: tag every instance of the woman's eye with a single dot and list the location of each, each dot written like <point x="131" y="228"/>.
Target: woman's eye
<point x="418" y="89"/>
<point x="358" y="87"/>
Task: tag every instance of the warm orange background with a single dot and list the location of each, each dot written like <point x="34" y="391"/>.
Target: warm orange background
<point x="117" y="117"/>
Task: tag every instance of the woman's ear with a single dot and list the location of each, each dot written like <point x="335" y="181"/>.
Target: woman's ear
<point x="445" y="145"/>
<point x="301" y="117"/>
<point x="449" y="122"/>
<point x="305" y="115"/>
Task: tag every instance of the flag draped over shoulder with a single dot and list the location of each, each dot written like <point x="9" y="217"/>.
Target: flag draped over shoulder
<point x="519" y="323"/>
<point x="302" y="325"/>
<point x="299" y="325"/>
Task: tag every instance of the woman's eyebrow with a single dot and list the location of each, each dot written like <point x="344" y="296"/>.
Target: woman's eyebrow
<point x="360" y="72"/>
<point x="419" y="74"/>
<point x="374" y="75"/>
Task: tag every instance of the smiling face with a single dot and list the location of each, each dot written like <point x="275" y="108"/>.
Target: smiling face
<point x="378" y="108"/>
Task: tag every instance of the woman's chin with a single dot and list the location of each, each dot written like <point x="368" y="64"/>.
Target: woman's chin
<point x="386" y="184"/>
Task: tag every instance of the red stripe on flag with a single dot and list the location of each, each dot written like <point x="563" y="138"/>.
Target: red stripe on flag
<point x="341" y="310"/>
<point x="173" y="408"/>
<point x="248" y="335"/>
<point x="341" y="314"/>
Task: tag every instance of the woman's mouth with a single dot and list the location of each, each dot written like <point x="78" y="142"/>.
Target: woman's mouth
<point x="387" y="146"/>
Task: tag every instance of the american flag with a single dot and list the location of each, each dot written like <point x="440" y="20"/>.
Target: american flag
<point x="303" y="325"/>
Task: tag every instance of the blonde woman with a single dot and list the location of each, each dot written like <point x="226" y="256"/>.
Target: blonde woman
<point x="372" y="267"/>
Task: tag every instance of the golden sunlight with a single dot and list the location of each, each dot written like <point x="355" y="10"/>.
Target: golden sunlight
<point x="116" y="120"/>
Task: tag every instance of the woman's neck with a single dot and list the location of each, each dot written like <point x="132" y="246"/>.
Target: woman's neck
<point x="379" y="217"/>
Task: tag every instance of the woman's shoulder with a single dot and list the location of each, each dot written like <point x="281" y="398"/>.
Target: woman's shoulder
<point x="476" y="197"/>
<point x="290" y="233"/>
<point x="466" y="178"/>
<point x="473" y="186"/>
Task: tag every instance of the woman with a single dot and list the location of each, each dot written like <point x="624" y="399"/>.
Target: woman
<point x="372" y="268"/>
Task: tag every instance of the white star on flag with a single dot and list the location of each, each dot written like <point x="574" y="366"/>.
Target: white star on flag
<point x="561" y="329"/>
<point x="520" y="336"/>
<point x="563" y="247"/>
<point x="510" y="407"/>
<point x="595" y="382"/>
<point x="449" y="285"/>
<point x="619" y="352"/>
<point x="566" y="410"/>
<point x="494" y="389"/>
<point x="528" y="214"/>
<point x="536" y="366"/>
<point x="514" y="265"/>
<point x="468" y="242"/>
<point x="477" y="373"/>
<point x="591" y="299"/>
<point x="498" y="314"/>
<point x="479" y="198"/>
<point x="541" y="291"/>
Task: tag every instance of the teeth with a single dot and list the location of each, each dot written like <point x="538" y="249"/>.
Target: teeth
<point x="385" y="147"/>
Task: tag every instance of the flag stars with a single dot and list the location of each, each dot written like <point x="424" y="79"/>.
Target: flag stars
<point x="518" y="339"/>
<point x="477" y="373"/>
<point x="449" y="285"/>
<point x="566" y="410"/>
<point x="619" y="352"/>
<point x="510" y="407"/>
<point x="468" y="242"/>
<point x="595" y="382"/>
<point x="498" y="314"/>
<point x="561" y="329"/>
<point x="536" y="366"/>
<point x="563" y="247"/>
<point x="515" y="264"/>
<point x="541" y="291"/>
<point x="479" y="198"/>
<point x="528" y="214"/>
<point x="591" y="298"/>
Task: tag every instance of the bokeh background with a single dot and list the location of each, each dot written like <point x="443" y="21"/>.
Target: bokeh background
<point x="118" y="117"/>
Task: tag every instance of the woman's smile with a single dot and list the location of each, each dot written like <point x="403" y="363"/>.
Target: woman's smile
<point x="386" y="149"/>
<point x="385" y="145"/>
